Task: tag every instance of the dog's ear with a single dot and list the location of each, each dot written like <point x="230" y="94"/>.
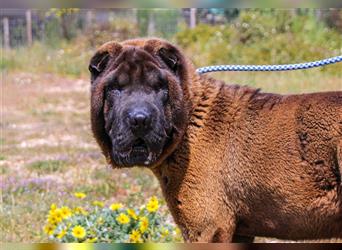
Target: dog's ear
<point x="106" y="54"/>
<point x="97" y="64"/>
<point x="168" y="54"/>
<point x="170" y="57"/>
<point x="99" y="61"/>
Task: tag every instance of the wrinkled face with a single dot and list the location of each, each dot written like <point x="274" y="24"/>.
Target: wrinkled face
<point x="136" y="111"/>
<point x="141" y="98"/>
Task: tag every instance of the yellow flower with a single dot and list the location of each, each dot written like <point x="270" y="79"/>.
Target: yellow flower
<point x="61" y="234"/>
<point x="79" y="232"/>
<point x="98" y="203"/>
<point x="53" y="207"/>
<point x="58" y="215"/>
<point x="135" y="237"/>
<point x="80" y="210"/>
<point x="66" y="212"/>
<point x="91" y="240"/>
<point x="80" y="195"/>
<point x="164" y="232"/>
<point x="143" y="224"/>
<point x="55" y="216"/>
<point x="123" y="219"/>
<point x="52" y="220"/>
<point x="152" y="205"/>
<point x="131" y="213"/>
<point x="49" y="229"/>
<point x="116" y="206"/>
<point x="178" y="231"/>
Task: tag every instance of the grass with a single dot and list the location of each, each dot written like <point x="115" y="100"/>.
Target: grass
<point x="48" y="166"/>
<point x="291" y="82"/>
<point x="69" y="59"/>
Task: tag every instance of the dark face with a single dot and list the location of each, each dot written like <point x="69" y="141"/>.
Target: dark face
<point x="136" y="109"/>
<point x="137" y="103"/>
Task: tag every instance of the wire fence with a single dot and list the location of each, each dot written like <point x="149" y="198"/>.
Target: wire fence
<point x="20" y="27"/>
<point x="24" y="26"/>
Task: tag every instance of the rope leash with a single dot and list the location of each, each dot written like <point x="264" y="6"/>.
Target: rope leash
<point x="279" y="67"/>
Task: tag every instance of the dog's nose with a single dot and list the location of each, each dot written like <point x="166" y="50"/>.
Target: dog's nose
<point x="140" y="121"/>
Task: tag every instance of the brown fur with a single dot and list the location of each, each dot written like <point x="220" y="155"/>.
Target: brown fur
<point x="242" y="163"/>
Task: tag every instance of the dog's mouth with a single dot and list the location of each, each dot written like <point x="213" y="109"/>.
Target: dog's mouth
<point x="139" y="153"/>
<point x="139" y="145"/>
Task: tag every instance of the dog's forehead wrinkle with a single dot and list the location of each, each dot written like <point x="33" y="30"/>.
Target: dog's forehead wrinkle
<point x="136" y="54"/>
<point x="140" y="93"/>
<point x="110" y="77"/>
<point x="138" y="65"/>
<point x="152" y="78"/>
<point x="123" y="78"/>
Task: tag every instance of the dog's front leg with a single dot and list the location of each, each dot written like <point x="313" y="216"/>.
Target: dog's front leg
<point x="223" y="235"/>
<point x="215" y="232"/>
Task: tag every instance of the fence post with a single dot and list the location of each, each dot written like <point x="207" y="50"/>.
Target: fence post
<point x="192" y="18"/>
<point x="89" y="18"/>
<point x="151" y="28"/>
<point x="29" y="27"/>
<point x="6" y="33"/>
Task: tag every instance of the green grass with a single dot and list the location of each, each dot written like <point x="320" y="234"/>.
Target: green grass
<point x="4" y="169"/>
<point x="290" y="82"/>
<point x="69" y="59"/>
<point x="48" y="166"/>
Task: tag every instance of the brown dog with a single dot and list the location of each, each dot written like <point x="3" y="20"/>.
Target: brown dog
<point x="233" y="163"/>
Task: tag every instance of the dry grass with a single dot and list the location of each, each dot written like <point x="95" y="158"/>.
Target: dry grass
<point x="48" y="152"/>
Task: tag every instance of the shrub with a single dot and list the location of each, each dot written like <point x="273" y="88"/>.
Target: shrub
<point x="258" y="37"/>
<point x="255" y="37"/>
<point x="115" y="223"/>
<point x="116" y="29"/>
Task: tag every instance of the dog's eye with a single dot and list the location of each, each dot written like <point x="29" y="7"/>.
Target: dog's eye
<point x="115" y="86"/>
<point x="117" y="91"/>
<point x="113" y="89"/>
<point x="165" y="95"/>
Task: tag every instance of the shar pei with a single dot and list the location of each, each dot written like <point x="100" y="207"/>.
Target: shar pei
<point x="233" y="162"/>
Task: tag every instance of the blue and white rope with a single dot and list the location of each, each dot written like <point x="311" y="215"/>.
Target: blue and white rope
<point x="280" y="67"/>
